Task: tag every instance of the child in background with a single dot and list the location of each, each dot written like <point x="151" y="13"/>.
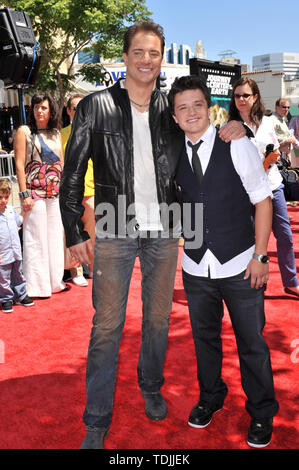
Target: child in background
<point x="12" y="280"/>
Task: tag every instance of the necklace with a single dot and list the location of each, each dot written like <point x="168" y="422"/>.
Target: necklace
<point x="146" y="105"/>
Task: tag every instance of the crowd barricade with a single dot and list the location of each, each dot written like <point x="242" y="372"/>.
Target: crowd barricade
<point x="7" y="166"/>
<point x="8" y="171"/>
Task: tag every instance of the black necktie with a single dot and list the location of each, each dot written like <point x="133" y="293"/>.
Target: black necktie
<point x="196" y="165"/>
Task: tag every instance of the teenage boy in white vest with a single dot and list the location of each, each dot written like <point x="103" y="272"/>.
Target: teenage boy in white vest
<point x="231" y="265"/>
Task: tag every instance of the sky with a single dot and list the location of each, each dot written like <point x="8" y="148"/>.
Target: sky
<point x="249" y="28"/>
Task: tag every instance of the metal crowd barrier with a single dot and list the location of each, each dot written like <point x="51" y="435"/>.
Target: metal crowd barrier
<point x="8" y="171"/>
<point x="7" y="166"/>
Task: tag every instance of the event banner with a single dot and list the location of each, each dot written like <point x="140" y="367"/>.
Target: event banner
<point x="220" y="79"/>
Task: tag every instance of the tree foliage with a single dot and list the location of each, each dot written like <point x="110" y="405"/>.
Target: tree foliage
<point x="64" y="27"/>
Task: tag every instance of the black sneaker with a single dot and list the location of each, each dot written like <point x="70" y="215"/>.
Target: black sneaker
<point x="155" y="405"/>
<point x="201" y="414"/>
<point x="7" y="306"/>
<point x="26" y="302"/>
<point x="260" y="432"/>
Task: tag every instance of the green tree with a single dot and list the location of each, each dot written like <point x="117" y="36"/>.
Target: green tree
<point x="64" y="27"/>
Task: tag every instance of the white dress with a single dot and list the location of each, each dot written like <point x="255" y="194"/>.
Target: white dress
<point x="43" y="243"/>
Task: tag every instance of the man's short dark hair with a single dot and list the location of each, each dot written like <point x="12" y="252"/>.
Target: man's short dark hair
<point x="71" y="98"/>
<point x="277" y="103"/>
<point x="188" y="82"/>
<point x="144" y="26"/>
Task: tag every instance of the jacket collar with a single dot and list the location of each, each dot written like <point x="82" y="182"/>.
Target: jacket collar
<point x="123" y="90"/>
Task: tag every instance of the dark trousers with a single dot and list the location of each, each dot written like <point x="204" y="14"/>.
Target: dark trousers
<point x="246" y="308"/>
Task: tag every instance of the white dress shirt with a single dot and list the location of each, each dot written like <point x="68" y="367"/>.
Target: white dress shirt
<point x="248" y="165"/>
<point x="263" y="136"/>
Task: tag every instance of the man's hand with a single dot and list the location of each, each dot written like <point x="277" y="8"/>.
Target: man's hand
<point x="292" y="140"/>
<point x="258" y="272"/>
<point x="233" y="130"/>
<point x="285" y="148"/>
<point x="82" y="251"/>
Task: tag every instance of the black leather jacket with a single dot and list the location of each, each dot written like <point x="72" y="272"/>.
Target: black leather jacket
<point x="102" y="129"/>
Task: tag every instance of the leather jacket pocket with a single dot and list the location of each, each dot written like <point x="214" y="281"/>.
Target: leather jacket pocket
<point x="106" y="192"/>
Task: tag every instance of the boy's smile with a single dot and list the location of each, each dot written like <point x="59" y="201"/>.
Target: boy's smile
<point x="191" y="113"/>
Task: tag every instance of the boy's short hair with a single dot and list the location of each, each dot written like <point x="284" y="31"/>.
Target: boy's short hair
<point x="5" y="186"/>
<point x="188" y="82"/>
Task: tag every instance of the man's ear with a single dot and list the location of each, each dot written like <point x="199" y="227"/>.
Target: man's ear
<point x="125" y="58"/>
<point x="174" y="117"/>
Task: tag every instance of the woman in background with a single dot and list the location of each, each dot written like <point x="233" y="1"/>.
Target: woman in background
<point x="247" y="106"/>
<point x="38" y="156"/>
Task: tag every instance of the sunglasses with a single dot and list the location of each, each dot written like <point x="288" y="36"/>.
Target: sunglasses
<point x="284" y="107"/>
<point x="245" y="96"/>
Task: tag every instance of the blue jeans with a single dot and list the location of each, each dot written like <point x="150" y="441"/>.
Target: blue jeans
<point x="113" y="266"/>
<point x="246" y="308"/>
<point x="12" y="282"/>
<point x="284" y="239"/>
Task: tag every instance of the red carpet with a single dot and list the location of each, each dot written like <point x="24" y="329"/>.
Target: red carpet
<point x="42" y="374"/>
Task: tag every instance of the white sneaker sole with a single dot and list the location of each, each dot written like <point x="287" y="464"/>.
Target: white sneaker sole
<point x="258" y="446"/>
<point x="201" y="426"/>
<point x="24" y="305"/>
<point x="80" y="283"/>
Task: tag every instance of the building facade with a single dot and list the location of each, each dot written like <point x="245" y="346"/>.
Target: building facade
<point x="286" y="62"/>
<point x="274" y="85"/>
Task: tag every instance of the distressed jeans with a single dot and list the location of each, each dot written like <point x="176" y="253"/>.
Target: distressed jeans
<point x="113" y="266"/>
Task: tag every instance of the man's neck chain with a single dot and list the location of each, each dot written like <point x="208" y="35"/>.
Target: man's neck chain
<point x="146" y="105"/>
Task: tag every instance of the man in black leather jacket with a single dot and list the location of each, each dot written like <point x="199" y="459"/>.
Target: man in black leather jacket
<point x="130" y="165"/>
<point x="135" y="146"/>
